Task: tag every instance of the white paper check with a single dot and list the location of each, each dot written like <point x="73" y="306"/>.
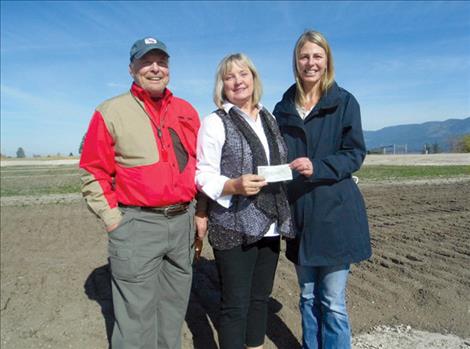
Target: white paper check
<point x="277" y="173"/>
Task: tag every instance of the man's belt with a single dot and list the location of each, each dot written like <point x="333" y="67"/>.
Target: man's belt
<point x="167" y="211"/>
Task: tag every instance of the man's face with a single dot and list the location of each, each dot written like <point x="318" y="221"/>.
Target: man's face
<point x="151" y="72"/>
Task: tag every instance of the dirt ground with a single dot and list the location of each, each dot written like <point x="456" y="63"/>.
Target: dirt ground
<point x="55" y="282"/>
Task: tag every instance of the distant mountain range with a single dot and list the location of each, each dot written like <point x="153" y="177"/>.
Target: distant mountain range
<point x="415" y="136"/>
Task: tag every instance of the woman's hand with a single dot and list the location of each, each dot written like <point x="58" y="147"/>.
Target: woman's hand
<point x="302" y="165"/>
<point x="245" y="185"/>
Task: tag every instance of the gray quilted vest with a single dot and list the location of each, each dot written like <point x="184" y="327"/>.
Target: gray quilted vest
<point x="244" y="222"/>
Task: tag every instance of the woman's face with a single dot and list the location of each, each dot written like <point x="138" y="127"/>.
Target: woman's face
<point x="311" y="63"/>
<point x="238" y="85"/>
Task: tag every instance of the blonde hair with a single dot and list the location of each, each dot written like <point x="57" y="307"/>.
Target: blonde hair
<point x="224" y="67"/>
<point x="329" y="75"/>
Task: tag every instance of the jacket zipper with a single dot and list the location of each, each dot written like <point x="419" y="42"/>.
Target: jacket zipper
<point x="160" y="133"/>
<point x="158" y="127"/>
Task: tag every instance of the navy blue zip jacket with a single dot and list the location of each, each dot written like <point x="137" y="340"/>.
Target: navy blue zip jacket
<point x="328" y="209"/>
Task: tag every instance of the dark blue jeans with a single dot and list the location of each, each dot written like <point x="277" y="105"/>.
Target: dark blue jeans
<point x="246" y="278"/>
<point x="325" y="321"/>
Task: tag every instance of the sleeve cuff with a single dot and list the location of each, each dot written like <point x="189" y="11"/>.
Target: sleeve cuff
<point x="225" y="201"/>
<point x="111" y="216"/>
<point x="214" y="189"/>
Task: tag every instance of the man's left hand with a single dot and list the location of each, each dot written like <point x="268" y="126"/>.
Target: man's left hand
<point x="200" y="220"/>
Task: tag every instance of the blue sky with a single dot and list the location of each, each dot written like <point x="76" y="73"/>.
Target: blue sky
<point x="406" y="62"/>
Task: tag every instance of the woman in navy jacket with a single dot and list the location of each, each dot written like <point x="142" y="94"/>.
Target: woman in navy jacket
<point x="321" y="124"/>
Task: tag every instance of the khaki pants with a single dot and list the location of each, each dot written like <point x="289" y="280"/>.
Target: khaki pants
<point x="150" y="257"/>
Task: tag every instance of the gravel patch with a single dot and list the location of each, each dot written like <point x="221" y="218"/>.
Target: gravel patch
<point x="404" y="337"/>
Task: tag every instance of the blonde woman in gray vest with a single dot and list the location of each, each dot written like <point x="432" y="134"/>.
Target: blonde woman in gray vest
<point x="247" y="215"/>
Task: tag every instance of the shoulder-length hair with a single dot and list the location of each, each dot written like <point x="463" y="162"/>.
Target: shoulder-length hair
<point x="327" y="78"/>
<point x="225" y="66"/>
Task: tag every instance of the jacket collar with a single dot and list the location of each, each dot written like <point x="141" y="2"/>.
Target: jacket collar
<point x="329" y="100"/>
<point x="145" y="97"/>
<point x="153" y="106"/>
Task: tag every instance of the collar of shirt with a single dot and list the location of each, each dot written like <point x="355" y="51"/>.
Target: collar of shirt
<point x="227" y="106"/>
<point x="303" y="113"/>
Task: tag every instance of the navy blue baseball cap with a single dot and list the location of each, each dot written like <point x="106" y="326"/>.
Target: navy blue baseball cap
<point x="142" y="46"/>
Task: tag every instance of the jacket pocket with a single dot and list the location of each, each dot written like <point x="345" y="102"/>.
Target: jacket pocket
<point x="329" y="203"/>
<point x="181" y="154"/>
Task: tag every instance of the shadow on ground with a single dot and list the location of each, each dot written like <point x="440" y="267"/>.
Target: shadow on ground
<point x="203" y="307"/>
<point x="98" y="288"/>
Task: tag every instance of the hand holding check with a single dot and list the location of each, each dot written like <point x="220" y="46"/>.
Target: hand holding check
<point x="303" y="165"/>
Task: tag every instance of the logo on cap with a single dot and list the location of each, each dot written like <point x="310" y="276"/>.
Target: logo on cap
<point x="149" y="41"/>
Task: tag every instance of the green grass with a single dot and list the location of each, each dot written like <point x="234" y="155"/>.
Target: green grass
<point x="35" y="173"/>
<point x="37" y="170"/>
<point x="38" y="180"/>
<point x="40" y="190"/>
<point x="385" y="172"/>
<point x="65" y="180"/>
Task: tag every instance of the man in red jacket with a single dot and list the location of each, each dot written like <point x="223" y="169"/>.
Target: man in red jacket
<point x="138" y="164"/>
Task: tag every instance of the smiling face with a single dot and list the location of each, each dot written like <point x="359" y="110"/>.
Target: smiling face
<point x="311" y="64"/>
<point x="151" y="72"/>
<point x="238" y="85"/>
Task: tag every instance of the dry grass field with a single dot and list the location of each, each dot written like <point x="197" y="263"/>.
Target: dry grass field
<point x="55" y="281"/>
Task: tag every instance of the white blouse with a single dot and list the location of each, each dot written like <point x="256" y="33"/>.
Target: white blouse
<point x="210" y="140"/>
